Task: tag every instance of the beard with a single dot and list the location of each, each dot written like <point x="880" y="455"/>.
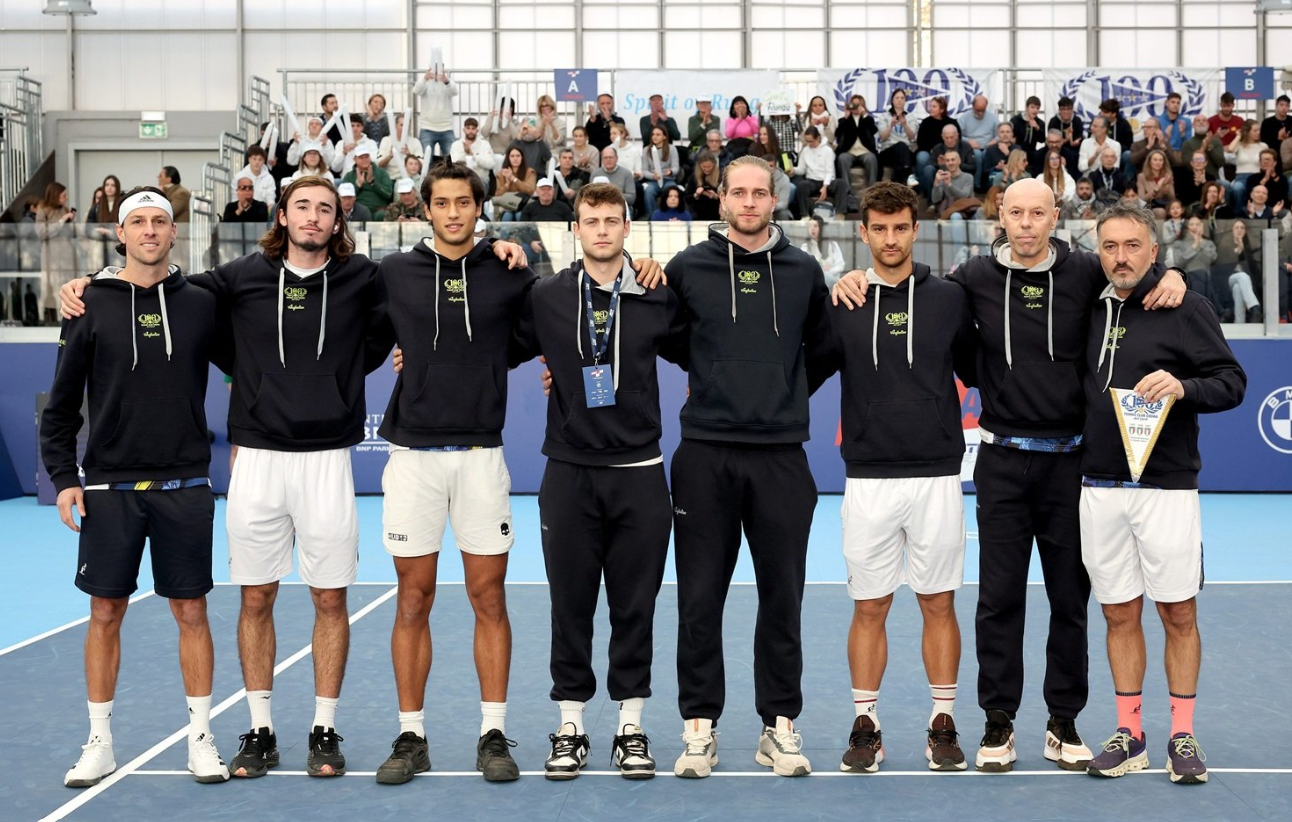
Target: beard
<point x="309" y="246"/>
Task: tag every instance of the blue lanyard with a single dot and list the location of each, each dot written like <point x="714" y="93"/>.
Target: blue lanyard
<point x="599" y="346"/>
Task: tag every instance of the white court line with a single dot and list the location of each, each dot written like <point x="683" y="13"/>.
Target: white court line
<point x="809" y="582"/>
<point x="62" y="628"/>
<point x="770" y="774"/>
<point x="147" y="756"/>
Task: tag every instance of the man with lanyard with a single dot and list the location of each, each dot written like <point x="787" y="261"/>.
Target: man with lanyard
<point x="755" y="308"/>
<point x="1141" y="525"/>
<point x="300" y="312"/>
<point x="903" y="510"/>
<point x="143" y="356"/>
<point x="1031" y="299"/>
<point x="445" y="420"/>
<point x="604" y="500"/>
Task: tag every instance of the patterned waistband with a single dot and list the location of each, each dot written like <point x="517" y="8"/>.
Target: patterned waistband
<point x="447" y="448"/>
<point x="152" y="485"/>
<point x="1087" y="482"/>
<point x="1052" y="445"/>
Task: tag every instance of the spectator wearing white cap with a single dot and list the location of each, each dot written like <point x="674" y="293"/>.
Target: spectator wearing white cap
<point x="407" y="207"/>
<point x="545" y="206"/>
<point x="435" y="93"/>
<point x="402" y="143"/>
<point x="245" y="208"/>
<point x="354" y="211"/>
<point x="343" y="160"/>
<point x="373" y="186"/>
<point x="314" y="139"/>
<point x="475" y="152"/>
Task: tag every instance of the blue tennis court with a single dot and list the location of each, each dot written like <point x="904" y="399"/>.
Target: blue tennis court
<point x="1245" y="630"/>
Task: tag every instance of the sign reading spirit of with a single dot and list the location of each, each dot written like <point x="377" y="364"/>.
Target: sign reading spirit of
<point x="1140" y="422"/>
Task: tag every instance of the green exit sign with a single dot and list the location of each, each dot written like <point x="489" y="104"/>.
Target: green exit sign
<point x="152" y="131"/>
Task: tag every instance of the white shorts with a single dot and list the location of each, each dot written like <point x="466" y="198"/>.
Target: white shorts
<point x="471" y="490"/>
<point x="280" y="497"/>
<point x="1141" y="540"/>
<point x="909" y="529"/>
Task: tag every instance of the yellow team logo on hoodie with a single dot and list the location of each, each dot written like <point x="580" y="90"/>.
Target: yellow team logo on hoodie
<point x="150" y="321"/>
<point x="1032" y="293"/>
<point x="897" y="320"/>
<point x="749" y="279"/>
<point x="1115" y="337"/>
<point x="456" y="287"/>
<point x="295" y="294"/>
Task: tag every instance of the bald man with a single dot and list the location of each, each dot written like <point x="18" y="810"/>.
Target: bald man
<point x="1031" y="298"/>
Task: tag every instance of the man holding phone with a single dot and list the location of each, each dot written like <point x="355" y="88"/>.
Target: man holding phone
<point x="855" y="141"/>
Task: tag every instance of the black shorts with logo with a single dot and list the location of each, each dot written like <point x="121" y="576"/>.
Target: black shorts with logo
<point x="177" y="525"/>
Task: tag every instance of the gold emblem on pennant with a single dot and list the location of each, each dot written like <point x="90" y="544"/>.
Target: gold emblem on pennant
<point x="1140" y="422"/>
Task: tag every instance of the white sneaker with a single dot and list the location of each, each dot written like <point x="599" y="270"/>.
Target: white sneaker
<point x="780" y="747"/>
<point x="913" y="181"/>
<point x="95" y="763"/>
<point x="1063" y="745"/>
<point x="701" y="752"/>
<point x="204" y="760"/>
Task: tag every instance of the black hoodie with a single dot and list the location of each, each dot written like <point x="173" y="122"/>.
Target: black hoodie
<point x="300" y="353"/>
<point x="454" y="320"/>
<point x="1126" y="344"/>
<point x="899" y="354"/>
<point x="1031" y="356"/>
<point x="144" y="354"/>
<point x="750" y="315"/>
<point x="648" y="324"/>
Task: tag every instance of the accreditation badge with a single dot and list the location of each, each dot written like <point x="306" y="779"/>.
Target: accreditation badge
<point x="1140" y="422"/>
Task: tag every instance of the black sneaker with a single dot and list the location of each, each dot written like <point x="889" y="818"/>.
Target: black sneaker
<point x="1063" y="745"/>
<point x="257" y="753"/>
<point x="493" y="758"/>
<point x="997" y="754"/>
<point x="408" y="757"/>
<point x="569" y="754"/>
<point x="325" y="757"/>
<point x="630" y="753"/>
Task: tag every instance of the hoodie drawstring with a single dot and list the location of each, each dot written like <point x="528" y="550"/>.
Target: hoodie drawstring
<point x="910" y="321"/>
<point x="134" y="330"/>
<point x="282" y="284"/>
<point x="731" y="267"/>
<point x="771" y="275"/>
<point x="1049" y="317"/>
<point x="1009" y="341"/>
<point x="1108" y="342"/>
<point x="874" y="330"/>
<point x="161" y="295"/>
<point x="466" y="301"/>
<point x="436" y="339"/>
<point x="322" y="318"/>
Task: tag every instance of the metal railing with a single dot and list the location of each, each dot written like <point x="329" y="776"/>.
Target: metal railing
<point x="260" y="99"/>
<point x="21" y="141"/>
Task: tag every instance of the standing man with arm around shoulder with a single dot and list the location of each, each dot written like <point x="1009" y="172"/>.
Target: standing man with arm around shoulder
<point x="604" y="501"/>
<point x="143" y="356"/>
<point x="1149" y="375"/>
<point x="903" y="509"/>
<point x="755" y="309"/>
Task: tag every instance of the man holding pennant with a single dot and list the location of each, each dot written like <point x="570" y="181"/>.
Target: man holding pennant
<point x="1150" y="374"/>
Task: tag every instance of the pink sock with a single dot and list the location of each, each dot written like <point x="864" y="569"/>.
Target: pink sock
<point x="1182" y="714"/>
<point x="1128" y="712"/>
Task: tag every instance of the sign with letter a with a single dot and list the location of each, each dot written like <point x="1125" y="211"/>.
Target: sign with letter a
<point x="576" y="85"/>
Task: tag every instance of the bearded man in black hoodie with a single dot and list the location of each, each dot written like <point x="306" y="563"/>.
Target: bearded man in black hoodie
<point x="755" y="307"/>
<point x="1031" y="300"/>
<point x="143" y="356"/>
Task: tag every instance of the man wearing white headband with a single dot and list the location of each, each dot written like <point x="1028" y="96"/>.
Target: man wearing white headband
<point x="144" y="355"/>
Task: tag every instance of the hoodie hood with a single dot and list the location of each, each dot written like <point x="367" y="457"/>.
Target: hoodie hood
<point x="1001" y="253"/>
<point x="110" y="277"/>
<point x="1109" y="296"/>
<point x="776" y="241"/>
<point x="918" y="275"/>
<point x="628" y="284"/>
<point x="482" y="249"/>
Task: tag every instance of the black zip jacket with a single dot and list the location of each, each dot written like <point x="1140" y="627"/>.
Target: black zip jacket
<point x="751" y="315"/>
<point x="648" y="324"/>
<point x="300" y="350"/>
<point x="142" y="354"/>
<point x="899" y="355"/>
<point x="1126" y="344"/>
<point x="454" y="320"/>
<point x="1032" y="328"/>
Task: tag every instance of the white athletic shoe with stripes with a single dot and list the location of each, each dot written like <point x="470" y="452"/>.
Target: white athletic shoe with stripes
<point x="95" y="763"/>
<point x="782" y="749"/>
<point x="204" y="760"/>
<point x="701" y="752"/>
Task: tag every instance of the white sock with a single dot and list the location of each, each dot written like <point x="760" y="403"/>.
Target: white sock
<point x="630" y="713"/>
<point x="493" y="717"/>
<point x="325" y="712"/>
<point x="866" y="703"/>
<point x="259" y="703"/>
<point x="199" y="716"/>
<point x="101" y="720"/>
<point x="944" y="701"/>
<point x="414" y="721"/>
<point x="572" y="714"/>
